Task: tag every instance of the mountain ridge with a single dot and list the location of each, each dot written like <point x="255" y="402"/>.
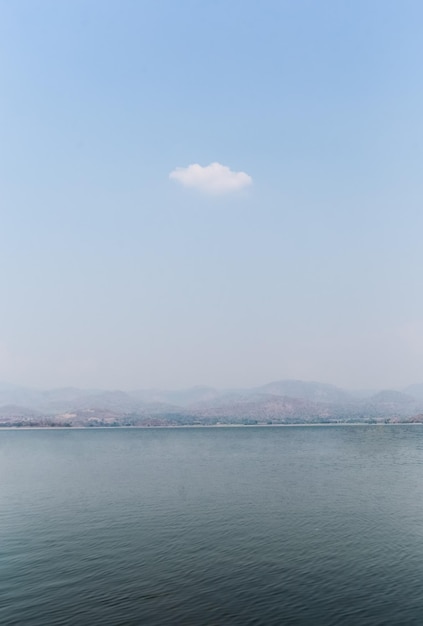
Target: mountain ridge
<point x="280" y="401"/>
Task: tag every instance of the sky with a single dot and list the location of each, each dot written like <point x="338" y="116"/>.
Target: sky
<point x="217" y="192"/>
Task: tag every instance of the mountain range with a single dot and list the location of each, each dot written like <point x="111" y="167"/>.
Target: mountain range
<point x="278" y="402"/>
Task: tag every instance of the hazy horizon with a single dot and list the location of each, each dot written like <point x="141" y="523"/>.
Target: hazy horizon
<point x="221" y="194"/>
<point x="5" y="385"/>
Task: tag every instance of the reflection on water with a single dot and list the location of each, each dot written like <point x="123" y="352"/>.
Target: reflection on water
<point x="232" y="526"/>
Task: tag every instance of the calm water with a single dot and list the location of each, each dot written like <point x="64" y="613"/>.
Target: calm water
<point x="197" y="527"/>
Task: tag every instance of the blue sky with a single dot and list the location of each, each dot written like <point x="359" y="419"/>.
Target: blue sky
<point x="114" y="275"/>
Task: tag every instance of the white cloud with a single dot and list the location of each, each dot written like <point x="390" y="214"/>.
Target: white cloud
<point x="214" y="178"/>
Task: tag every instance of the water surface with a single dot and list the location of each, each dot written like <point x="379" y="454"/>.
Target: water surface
<point x="197" y="527"/>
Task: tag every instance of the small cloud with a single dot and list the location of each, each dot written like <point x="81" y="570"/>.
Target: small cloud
<point x="214" y="178"/>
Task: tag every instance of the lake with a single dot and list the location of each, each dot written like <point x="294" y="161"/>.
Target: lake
<point x="212" y="526"/>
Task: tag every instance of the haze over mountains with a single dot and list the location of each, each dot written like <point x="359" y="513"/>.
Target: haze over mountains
<point x="278" y="402"/>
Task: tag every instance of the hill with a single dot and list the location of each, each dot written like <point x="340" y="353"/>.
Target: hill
<point x="285" y="401"/>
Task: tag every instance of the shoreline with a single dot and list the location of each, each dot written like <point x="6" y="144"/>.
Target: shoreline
<point x="198" y="426"/>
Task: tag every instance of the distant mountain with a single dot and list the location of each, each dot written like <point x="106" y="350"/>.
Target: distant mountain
<point x="415" y="390"/>
<point x="181" y="397"/>
<point x="43" y="400"/>
<point x="111" y="400"/>
<point x="312" y="391"/>
<point x="15" y="412"/>
<point x="388" y="396"/>
<point x="361" y="394"/>
<point x="262" y="408"/>
<point x="391" y="404"/>
<point x="285" y="401"/>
